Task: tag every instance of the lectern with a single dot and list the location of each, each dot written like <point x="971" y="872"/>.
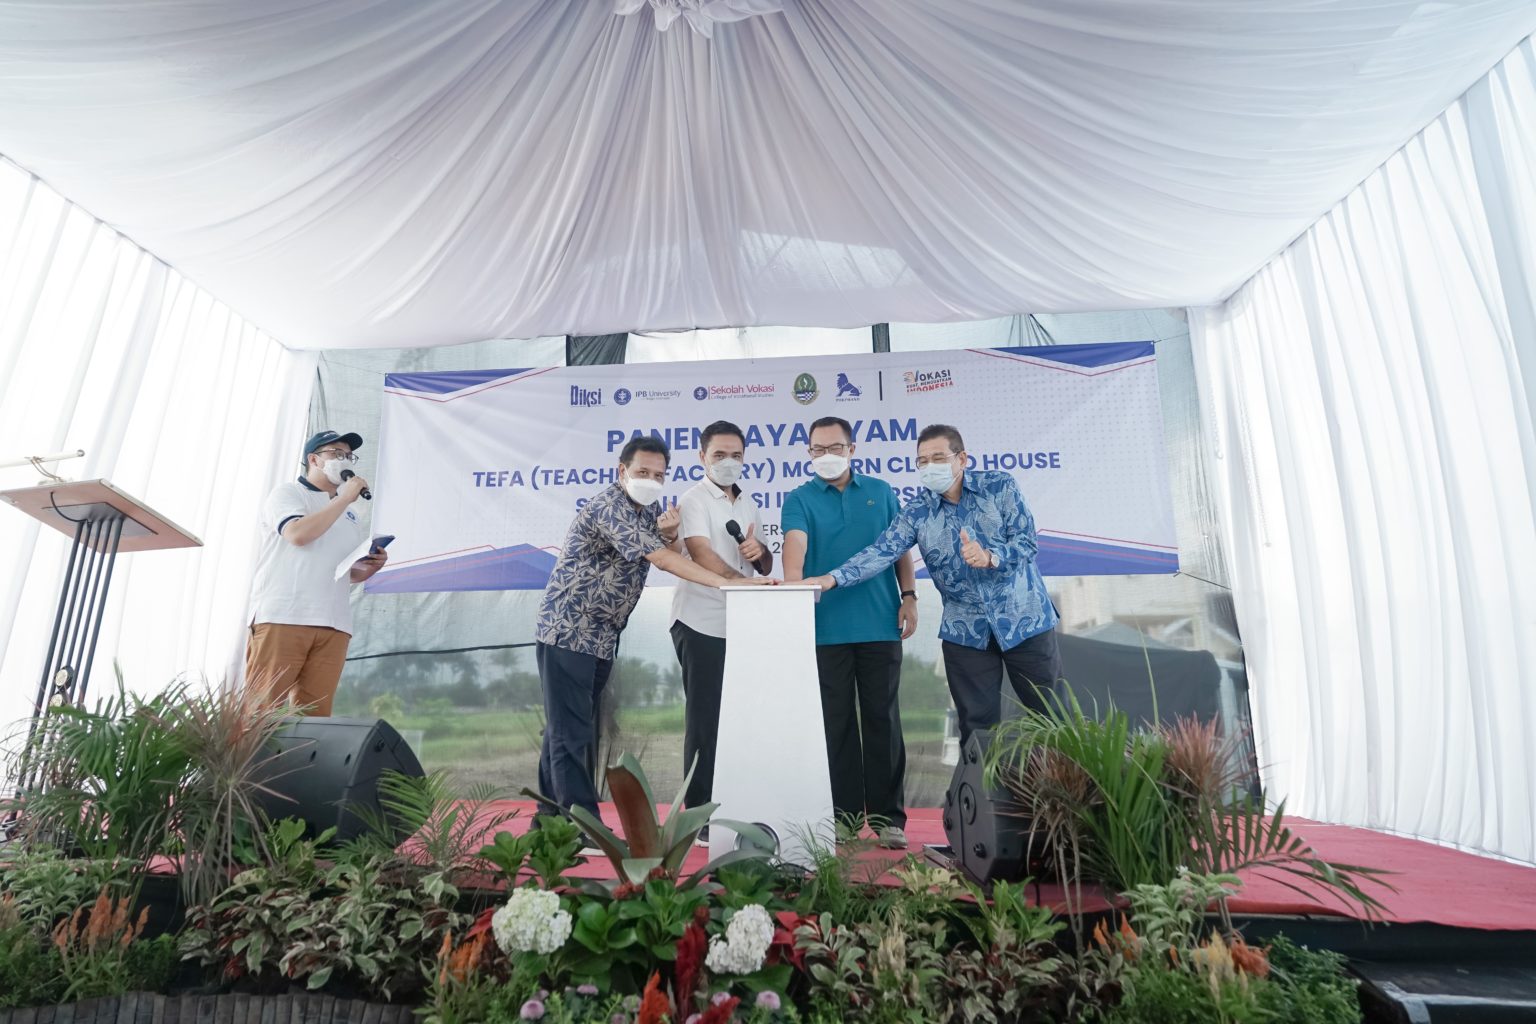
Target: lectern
<point x="103" y="522"/>
<point x="771" y="751"/>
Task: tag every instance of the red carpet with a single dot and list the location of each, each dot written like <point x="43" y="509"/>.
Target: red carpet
<point x="1433" y="884"/>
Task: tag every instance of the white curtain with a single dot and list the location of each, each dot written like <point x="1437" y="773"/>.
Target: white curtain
<point x="398" y="173"/>
<point x="1369" y="398"/>
<point x="174" y="398"/>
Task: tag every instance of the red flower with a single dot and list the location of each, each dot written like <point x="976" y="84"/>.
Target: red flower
<point x="720" y="1013"/>
<point x="691" y="950"/>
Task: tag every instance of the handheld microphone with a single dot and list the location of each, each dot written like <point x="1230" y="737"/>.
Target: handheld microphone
<point x="366" y="495"/>
<point x="733" y="528"/>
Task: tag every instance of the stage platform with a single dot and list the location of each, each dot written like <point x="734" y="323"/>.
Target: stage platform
<point x="1455" y="942"/>
<point x="1434" y="885"/>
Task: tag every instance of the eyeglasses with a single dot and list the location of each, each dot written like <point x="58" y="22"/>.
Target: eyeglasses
<point x="343" y="456"/>
<point x="818" y="450"/>
<point x="936" y="460"/>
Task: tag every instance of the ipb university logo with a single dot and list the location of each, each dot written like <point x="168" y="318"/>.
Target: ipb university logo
<point x="701" y="392"/>
<point x="805" y="389"/>
<point x="586" y="397"/>
<point x="622" y="396"/>
<point x="927" y="380"/>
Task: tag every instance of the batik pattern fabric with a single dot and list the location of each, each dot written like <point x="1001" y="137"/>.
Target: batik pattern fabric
<point x="599" y="575"/>
<point x="1009" y="602"/>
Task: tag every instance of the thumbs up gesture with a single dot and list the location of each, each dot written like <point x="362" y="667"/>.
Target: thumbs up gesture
<point x="750" y="547"/>
<point x="974" y="555"/>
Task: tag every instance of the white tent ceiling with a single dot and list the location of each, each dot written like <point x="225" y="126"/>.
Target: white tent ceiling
<point x="405" y="172"/>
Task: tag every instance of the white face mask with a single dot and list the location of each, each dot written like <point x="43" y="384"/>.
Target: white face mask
<point x="332" y="469"/>
<point x="829" y="466"/>
<point x="641" y="491"/>
<point x="725" y="472"/>
<point x="937" y="476"/>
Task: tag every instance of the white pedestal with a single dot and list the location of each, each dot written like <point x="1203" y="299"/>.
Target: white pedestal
<point x="771" y="756"/>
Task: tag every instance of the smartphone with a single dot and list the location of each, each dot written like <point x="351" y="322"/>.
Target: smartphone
<point x="380" y="543"/>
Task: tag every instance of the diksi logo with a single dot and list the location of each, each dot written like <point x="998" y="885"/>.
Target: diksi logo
<point x="805" y="389"/>
<point x="847" y="390"/>
<point x="586" y="397"/>
<point x="621" y="396"/>
<point x="927" y="380"/>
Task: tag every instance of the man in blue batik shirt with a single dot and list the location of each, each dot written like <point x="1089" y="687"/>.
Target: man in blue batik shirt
<point x="978" y="538"/>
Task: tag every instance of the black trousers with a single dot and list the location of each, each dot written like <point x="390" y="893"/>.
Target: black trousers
<point x="573" y="683"/>
<point x="866" y="753"/>
<point x="703" y="660"/>
<point x="975" y="678"/>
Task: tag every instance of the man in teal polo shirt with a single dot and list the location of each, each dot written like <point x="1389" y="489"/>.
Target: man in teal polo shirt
<point x="859" y="630"/>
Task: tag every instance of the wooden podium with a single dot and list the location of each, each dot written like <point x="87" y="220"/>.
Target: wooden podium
<point x="771" y="751"/>
<point x="103" y="522"/>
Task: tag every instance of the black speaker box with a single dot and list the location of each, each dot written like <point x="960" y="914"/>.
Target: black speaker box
<point x="987" y="832"/>
<point x="326" y="771"/>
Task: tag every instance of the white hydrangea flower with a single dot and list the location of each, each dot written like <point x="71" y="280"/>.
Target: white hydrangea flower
<point x="745" y="945"/>
<point x="531" y="922"/>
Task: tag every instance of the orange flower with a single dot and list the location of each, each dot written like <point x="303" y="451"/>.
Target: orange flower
<point x="654" y="1008"/>
<point x="442" y="958"/>
<point x="1252" y="960"/>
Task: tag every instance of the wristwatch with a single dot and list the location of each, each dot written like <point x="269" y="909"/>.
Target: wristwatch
<point x="992" y="562"/>
<point x="909" y="593"/>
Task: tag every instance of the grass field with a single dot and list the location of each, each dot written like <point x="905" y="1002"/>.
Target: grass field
<point x="501" y="748"/>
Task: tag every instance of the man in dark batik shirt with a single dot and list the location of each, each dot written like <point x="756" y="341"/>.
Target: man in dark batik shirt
<point x="596" y="583"/>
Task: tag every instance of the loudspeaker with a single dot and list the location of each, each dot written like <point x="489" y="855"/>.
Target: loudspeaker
<point x="987" y="832"/>
<point x="326" y="771"/>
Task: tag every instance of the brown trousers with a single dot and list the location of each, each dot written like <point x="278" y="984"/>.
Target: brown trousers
<point x="296" y="664"/>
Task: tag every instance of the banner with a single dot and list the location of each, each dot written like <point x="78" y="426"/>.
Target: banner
<point x="480" y="472"/>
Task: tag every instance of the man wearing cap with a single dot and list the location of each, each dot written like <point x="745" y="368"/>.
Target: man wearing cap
<point x="301" y="619"/>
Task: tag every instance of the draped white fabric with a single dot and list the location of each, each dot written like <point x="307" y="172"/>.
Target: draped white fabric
<point x="410" y="172"/>
<point x="1369" y="401"/>
<point x="173" y="397"/>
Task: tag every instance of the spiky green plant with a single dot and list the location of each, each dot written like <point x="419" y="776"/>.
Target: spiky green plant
<point x="652" y="843"/>
<point x="178" y="773"/>
<point x="1126" y="806"/>
<point x="218" y="818"/>
<point x="447" y="825"/>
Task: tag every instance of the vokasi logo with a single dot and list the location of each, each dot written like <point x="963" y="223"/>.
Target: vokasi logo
<point x="927" y="380"/>
<point x="586" y="397"/>
<point x="805" y="389"/>
<point x="701" y="392"/>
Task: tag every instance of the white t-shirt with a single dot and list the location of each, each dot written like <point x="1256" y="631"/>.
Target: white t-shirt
<point x="295" y="585"/>
<point x="705" y="509"/>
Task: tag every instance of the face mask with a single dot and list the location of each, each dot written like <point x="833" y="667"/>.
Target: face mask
<point x="642" y="492"/>
<point x="937" y="476"/>
<point x="332" y="469"/>
<point x="725" y="472"/>
<point x="830" y="467"/>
